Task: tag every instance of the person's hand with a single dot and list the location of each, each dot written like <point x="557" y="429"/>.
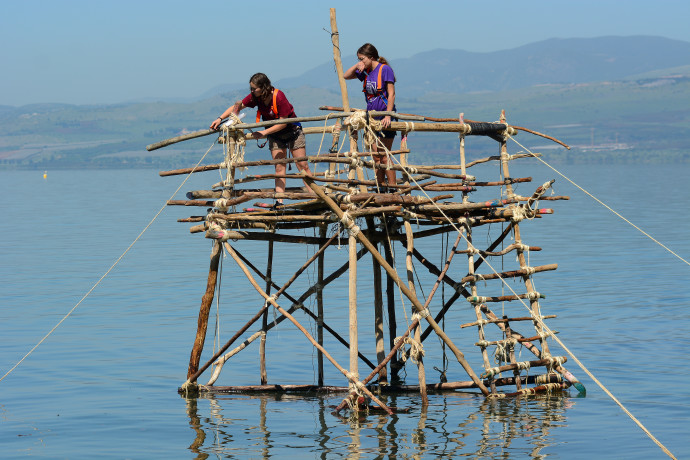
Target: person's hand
<point x="359" y="66"/>
<point x="259" y="135"/>
<point x="216" y="123"/>
<point x="386" y="121"/>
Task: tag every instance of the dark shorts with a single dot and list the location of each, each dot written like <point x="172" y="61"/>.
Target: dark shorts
<point x="386" y="134"/>
<point x="293" y="141"/>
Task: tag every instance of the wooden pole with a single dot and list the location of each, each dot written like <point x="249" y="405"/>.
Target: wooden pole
<point x="352" y="309"/>
<point x="417" y="330"/>
<point x="390" y="302"/>
<point x="378" y="311"/>
<point x="264" y="320"/>
<point x="319" y="303"/>
<point x="206" y="301"/>
<point x="335" y="38"/>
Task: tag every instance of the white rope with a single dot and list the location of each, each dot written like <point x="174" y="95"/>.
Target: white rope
<point x="117" y="261"/>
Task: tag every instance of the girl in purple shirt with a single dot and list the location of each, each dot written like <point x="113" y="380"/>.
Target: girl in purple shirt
<point x="372" y="69"/>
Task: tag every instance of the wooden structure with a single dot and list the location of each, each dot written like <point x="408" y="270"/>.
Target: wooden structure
<point x="342" y="199"/>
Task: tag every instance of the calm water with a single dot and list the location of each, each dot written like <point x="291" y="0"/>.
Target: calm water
<point x="104" y="383"/>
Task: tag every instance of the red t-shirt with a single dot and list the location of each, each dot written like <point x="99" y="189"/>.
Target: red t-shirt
<point x="285" y="109"/>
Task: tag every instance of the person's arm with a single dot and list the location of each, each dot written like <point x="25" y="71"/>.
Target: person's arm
<point x="270" y="130"/>
<point x="235" y="108"/>
<point x="284" y="111"/>
<point x="351" y="73"/>
<point x="390" y="88"/>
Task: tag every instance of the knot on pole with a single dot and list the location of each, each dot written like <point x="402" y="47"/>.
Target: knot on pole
<point x="415" y="352"/>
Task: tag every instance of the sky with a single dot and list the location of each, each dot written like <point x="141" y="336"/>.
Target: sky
<point x="105" y="52"/>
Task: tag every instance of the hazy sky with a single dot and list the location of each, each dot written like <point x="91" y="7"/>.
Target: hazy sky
<point x="93" y="52"/>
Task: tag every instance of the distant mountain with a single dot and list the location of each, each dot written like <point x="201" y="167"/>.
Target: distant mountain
<point x="554" y="61"/>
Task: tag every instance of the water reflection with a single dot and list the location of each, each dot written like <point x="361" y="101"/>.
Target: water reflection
<point x="457" y="424"/>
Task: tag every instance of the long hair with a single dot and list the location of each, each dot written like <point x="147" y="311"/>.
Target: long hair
<point x="371" y="52"/>
<point x="261" y="81"/>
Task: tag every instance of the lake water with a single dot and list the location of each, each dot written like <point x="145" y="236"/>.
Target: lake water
<point x="104" y="384"/>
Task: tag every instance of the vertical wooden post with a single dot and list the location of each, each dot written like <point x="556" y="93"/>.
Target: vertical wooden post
<point x="390" y="298"/>
<point x="264" y="320"/>
<point x="378" y="311"/>
<point x="354" y="348"/>
<point x="477" y="306"/>
<point x="338" y="62"/>
<point x="319" y="302"/>
<point x="206" y="301"/>
<point x="335" y="38"/>
<point x="410" y="282"/>
<point x="417" y="330"/>
<point x="511" y="354"/>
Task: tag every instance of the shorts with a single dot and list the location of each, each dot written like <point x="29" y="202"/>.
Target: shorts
<point x="386" y="134"/>
<point x="294" y="142"/>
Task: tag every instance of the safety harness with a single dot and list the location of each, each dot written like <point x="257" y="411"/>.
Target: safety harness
<point x="379" y="87"/>
<point x="274" y="107"/>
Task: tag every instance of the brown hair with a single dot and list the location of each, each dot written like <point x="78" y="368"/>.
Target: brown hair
<point x="261" y="81"/>
<point x="371" y="52"/>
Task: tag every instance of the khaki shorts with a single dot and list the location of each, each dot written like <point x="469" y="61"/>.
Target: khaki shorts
<point x="296" y="142"/>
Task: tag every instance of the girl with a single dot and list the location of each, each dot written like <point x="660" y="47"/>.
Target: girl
<point x="272" y="104"/>
<point x="379" y="91"/>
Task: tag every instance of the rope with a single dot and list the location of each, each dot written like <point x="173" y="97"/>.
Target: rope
<point x="416" y="351"/>
<point x="604" y="204"/>
<point x="117" y="261"/>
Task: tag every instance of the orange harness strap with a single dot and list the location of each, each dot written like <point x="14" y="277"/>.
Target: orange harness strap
<point x="274" y="107"/>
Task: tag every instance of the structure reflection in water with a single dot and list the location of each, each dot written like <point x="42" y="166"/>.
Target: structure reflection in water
<point x="458" y="424"/>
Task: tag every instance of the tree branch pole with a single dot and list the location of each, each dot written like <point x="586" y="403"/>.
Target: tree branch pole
<point x="401" y="285"/>
<point x="206" y="301"/>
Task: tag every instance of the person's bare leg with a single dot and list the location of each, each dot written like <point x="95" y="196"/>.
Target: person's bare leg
<point x="302" y="165"/>
<point x="279" y="154"/>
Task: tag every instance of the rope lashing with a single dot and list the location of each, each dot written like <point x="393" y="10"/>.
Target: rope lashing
<point x="349" y="224"/>
<point x="473" y="251"/>
<point x="415" y="352"/>
<point x="530" y="271"/>
<point x="483" y="343"/>
<point x="421" y="314"/>
<point x="534" y="295"/>
<point x="519" y="214"/>
<point x="490" y="372"/>
<point x="523" y="365"/>
<point x="360" y="120"/>
<point x="221" y="204"/>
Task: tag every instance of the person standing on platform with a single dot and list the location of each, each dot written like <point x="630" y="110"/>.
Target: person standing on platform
<point x="272" y="104"/>
<point x="378" y="85"/>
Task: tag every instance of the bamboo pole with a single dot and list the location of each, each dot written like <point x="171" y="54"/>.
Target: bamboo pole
<point x="418" y="306"/>
<point x="206" y="301"/>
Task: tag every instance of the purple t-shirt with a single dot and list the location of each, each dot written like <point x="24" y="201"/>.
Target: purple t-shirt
<point x="377" y="100"/>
